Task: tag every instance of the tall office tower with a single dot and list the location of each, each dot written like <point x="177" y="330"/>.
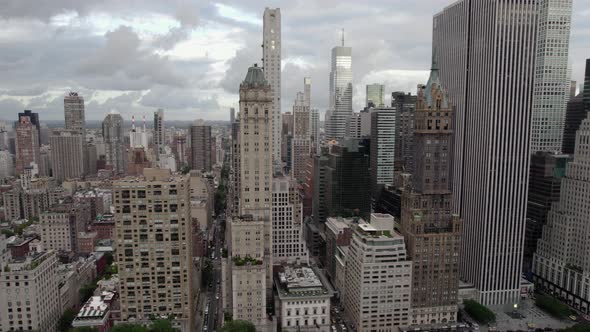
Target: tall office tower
<point x="286" y="141"/>
<point x="34" y="118"/>
<point x="112" y="133"/>
<point x="573" y="89"/>
<point x="405" y="104"/>
<point x="552" y="77"/>
<point x="67" y="154"/>
<point x="288" y="246"/>
<point x="381" y="303"/>
<point x="74" y="113"/>
<point x="354" y="128"/>
<point x="382" y="149"/>
<point x="153" y="227"/>
<point x="488" y="69"/>
<point x="235" y="173"/>
<point x="307" y="91"/>
<point x="6" y="164"/>
<point x="577" y="111"/>
<point x="547" y="170"/>
<point x="30" y="287"/>
<point x="200" y="146"/>
<point x="301" y="142"/>
<point x="159" y="132"/>
<point x="340" y="92"/>
<point x="271" y="57"/>
<point x="232" y="115"/>
<point x="561" y="265"/>
<point x="375" y="95"/>
<point x="432" y="231"/>
<point x="251" y="233"/>
<point x="26" y="143"/>
<point x="320" y="187"/>
<point x="586" y="87"/>
<point x="314" y="129"/>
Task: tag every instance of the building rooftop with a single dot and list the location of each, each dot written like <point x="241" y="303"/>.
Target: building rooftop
<point x="255" y="77"/>
<point x="27" y="263"/>
<point x="300" y="281"/>
<point x="96" y="308"/>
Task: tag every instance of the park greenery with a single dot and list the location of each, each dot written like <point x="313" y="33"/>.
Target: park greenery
<point x="239" y="261"/>
<point x="221" y="193"/>
<point x="238" y="326"/>
<point x="479" y="312"/>
<point x="552" y="306"/>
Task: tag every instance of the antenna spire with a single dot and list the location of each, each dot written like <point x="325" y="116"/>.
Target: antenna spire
<point x="342" y="37"/>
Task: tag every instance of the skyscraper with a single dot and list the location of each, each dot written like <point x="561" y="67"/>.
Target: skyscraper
<point x="374" y="95"/>
<point x="34" y="118"/>
<point x="382" y="149"/>
<point x="112" y="133"/>
<point x="586" y="87"/>
<point x="552" y="81"/>
<point x="314" y="128"/>
<point x="27" y="142"/>
<point x="576" y="112"/>
<point x="74" y="113"/>
<point x="405" y="105"/>
<point x="152" y="214"/>
<point x="431" y="231"/>
<point x="67" y="154"/>
<point x="251" y="230"/>
<point x="561" y="265"/>
<point x="340" y="107"/>
<point x="271" y="57"/>
<point x="200" y="146"/>
<point x="300" y="144"/>
<point x="488" y="69"/>
<point x="232" y="115"/>
<point x="159" y="136"/>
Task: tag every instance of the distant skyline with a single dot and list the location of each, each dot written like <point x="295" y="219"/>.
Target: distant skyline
<point x="189" y="56"/>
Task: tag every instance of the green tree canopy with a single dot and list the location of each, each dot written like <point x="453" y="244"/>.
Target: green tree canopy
<point x="238" y="326"/>
<point x="84" y="329"/>
<point x="126" y="327"/>
<point x="479" y="312"/>
<point x="65" y="321"/>
<point x="552" y="306"/>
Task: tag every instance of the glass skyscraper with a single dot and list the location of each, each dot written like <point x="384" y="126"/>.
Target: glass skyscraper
<point x="340" y="92"/>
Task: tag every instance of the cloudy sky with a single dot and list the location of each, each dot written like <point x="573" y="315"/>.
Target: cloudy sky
<point x="188" y="56"/>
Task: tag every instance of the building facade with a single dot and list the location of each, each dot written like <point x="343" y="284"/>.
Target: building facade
<point x="576" y="112"/>
<point x="493" y="225"/>
<point x="561" y="265"/>
<point x="60" y="226"/>
<point x="112" y="133"/>
<point x="271" y="57"/>
<point x="382" y="149"/>
<point x="201" y="147"/>
<point x="375" y="95"/>
<point x="27" y="143"/>
<point x="431" y="230"/>
<point x="74" y="113"/>
<point x="340" y="107"/>
<point x="405" y="106"/>
<point x="154" y="247"/>
<point x="159" y="132"/>
<point x="67" y="154"/>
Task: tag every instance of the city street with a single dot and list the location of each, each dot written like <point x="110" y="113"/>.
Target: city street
<point x="212" y="309"/>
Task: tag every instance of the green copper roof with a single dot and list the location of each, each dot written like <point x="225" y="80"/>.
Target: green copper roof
<point x="255" y="76"/>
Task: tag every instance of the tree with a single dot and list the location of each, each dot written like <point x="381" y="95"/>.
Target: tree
<point x="65" y="321"/>
<point x="238" y="326"/>
<point x="578" y="328"/>
<point x="479" y="312"/>
<point x="126" y="327"/>
<point x="162" y="325"/>
<point x="552" y="306"/>
<point x="87" y="291"/>
<point x="227" y="316"/>
<point x="109" y="258"/>
<point x="84" y="329"/>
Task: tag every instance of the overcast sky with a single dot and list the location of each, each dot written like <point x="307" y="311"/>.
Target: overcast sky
<point x="189" y="56"/>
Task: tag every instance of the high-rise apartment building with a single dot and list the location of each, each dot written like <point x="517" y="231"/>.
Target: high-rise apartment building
<point x="153" y="246"/>
<point x="354" y="129"/>
<point x="74" y="113"/>
<point x="382" y="149"/>
<point x="488" y="71"/>
<point x="314" y="129"/>
<point x="405" y="105"/>
<point x="159" y="132"/>
<point x="547" y="170"/>
<point x="232" y="115"/>
<point x="375" y="95"/>
<point x="67" y="154"/>
<point x="561" y="264"/>
<point x="112" y="133"/>
<point x="60" y="224"/>
<point x="34" y="118"/>
<point x="271" y="57"/>
<point x="340" y="107"/>
<point x="552" y="77"/>
<point x="251" y="231"/>
<point x="431" y="230"/>
<point x="288" y="246"/>
<point x="201" y="146"/>
<point x="27" y="142"/>
<point x="6" y="164"/>
<point x="378" y="293"/>
<point x="576" y="112"/>
<point x="29" y="293"/>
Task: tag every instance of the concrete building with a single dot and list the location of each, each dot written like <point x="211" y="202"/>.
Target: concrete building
<point x="34" y="119"/>
<point x="112" y="133"/>
<point x="375" y="95"/>
<point x="431" y="230"/>
<point x="60" y="226"/>
<point x="340" y="107"/>
<point x="153" y="229"/>
<point x="201" y="146"/>
<point x="232" y="115"/>
<point x="67" y="154"/>
<point x="138" y="136"/>
<point x="405" y="105"/>
<point x="201" y="200"/>
<point x="354" y="129"/>
<point x="576" y="112"/>
<point x="29" y="293"/>
<point x="378" y="286"/>
<point x="74" y="113"/>
<point x="288" y="245"/>
<point x="484" y="94"/>
<point x="304" y="299"/>
<point x="6" y="164"/>
<point x="547" y="170"/>
<point x="251" y="234"/>
<point x="159" y="133"/>
<point x="382" y="149"/>
<point x="97" y="312"/>
<point x="561" y="265"/>
<point x="314" y="128"/>
<point x="27" y="142"/>
<point x="552" y="86"/>
<point x="301" y="142"/>
<point x="271" y="58"/>
<point x="338" y="234"/>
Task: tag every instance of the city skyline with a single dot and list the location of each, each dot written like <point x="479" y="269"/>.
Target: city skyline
<point x="122" y="45"/>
